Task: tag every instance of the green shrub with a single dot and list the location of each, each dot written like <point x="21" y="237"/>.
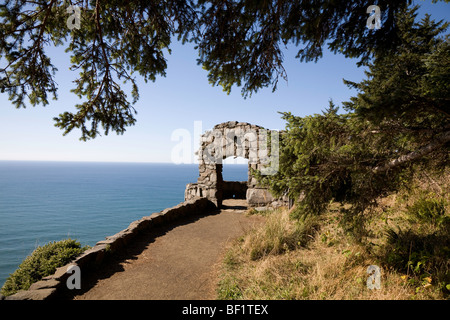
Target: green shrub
<point x="429" y="210"/>
<point x="419" y="255"/>
<point x="42" y="262"/>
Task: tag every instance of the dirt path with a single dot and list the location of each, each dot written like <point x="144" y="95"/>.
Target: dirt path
<point x="175" y="262"/>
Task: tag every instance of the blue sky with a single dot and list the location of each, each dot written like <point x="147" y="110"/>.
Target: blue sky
<point x="175" y="102"/>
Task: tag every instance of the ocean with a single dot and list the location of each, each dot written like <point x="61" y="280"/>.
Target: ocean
<point x="87" y="201"/>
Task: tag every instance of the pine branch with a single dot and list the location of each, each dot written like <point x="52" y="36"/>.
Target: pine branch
<point x="433" y="145"/>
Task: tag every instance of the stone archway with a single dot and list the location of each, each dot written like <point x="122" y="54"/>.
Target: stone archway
<point x="231" y="139"/>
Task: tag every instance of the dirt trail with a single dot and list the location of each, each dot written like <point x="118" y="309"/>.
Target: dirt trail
<point x="174" y="262"/>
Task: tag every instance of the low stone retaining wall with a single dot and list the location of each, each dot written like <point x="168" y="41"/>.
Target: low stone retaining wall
<point x="54" y="286"/>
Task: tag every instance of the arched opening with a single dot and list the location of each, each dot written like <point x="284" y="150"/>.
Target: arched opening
<point x="234" y="178"/>
<point x="220" y="180"/>
<point x="235" y="169"/>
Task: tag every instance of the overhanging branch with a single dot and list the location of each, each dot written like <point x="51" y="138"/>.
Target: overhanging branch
<point x="415" y="154"/>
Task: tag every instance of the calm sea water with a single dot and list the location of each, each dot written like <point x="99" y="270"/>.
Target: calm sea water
<point x="50" y="201"/>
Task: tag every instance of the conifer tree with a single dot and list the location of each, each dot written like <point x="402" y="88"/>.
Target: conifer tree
<point x="407" y="93"/>
<point x="397" y="124"/>
<point x="239" y="43"/>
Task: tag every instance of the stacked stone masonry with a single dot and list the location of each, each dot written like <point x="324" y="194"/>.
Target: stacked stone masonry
<point x="233" y="139"/>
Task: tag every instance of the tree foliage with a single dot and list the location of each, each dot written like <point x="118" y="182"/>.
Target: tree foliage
<point x="407" y="93"/>
<point x="397" y="123"/>
<point x="116" y="40"/>
<point x="239" y="44"/>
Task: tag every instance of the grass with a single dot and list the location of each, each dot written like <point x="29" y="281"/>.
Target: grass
<point x="278" y="235"/>
<point x="406" y="235"/>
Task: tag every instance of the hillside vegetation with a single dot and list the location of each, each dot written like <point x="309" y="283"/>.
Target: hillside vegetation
<point x="42" y="262"/>
<point x="371" y="187"/>
<point x="321" y="257"/>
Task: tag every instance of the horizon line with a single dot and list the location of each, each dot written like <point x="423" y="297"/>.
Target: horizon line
<point x="104" y="161"/>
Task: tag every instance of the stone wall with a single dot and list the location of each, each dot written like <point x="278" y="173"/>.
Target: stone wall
<point x="54" y="286"/>
<point x="233" y="139"/>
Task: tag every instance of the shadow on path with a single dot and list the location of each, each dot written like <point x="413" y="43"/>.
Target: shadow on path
<point x="174" y="261"/>
<point x="115" y="263"/>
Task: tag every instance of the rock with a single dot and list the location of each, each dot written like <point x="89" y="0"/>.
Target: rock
<point x="44" y="284"/>
<point x="257" y="197"/>
<point x="42" y="294"/>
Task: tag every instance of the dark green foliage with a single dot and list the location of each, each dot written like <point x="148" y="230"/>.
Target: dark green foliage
<point x="418" y="253"/>
<point x="429" y="210"/>
<point x="116" y="40"/>
<point x="239" y="43"/>
<point x="423" y="249"/>
<point x="43" y="261"/>
<point x="329" y="157"/>
<point x="395" y="125"/>
<point x="411" y="87"/>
